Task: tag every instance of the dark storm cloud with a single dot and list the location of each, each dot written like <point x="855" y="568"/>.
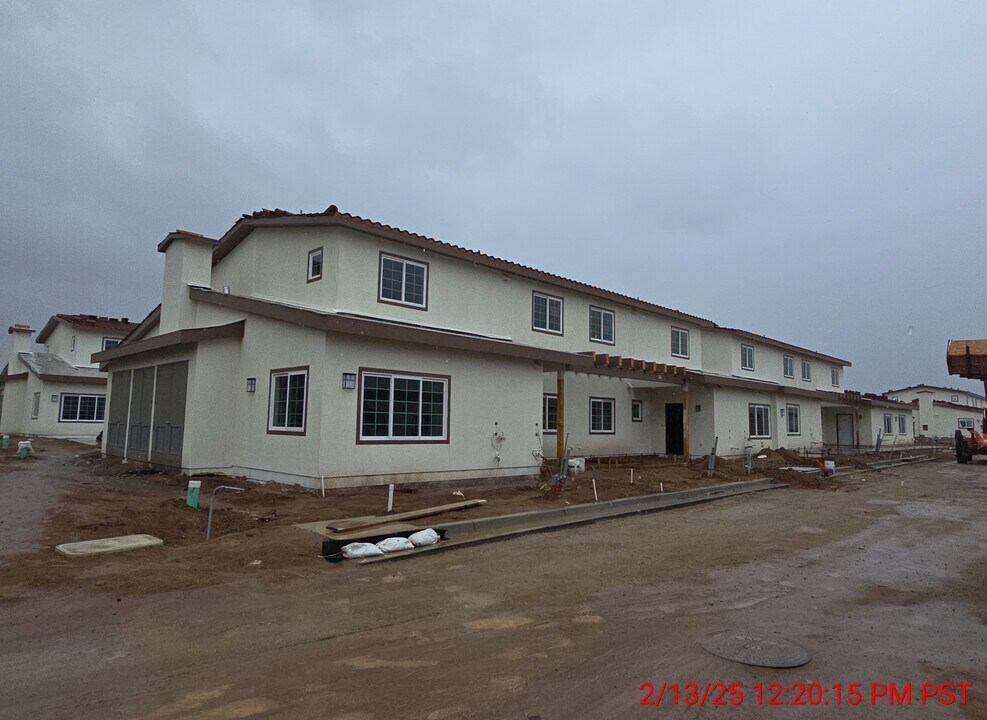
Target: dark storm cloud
<point x="811" y="172"/>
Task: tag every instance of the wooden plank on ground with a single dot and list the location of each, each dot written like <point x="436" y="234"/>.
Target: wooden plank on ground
<point x="351" y="524"/>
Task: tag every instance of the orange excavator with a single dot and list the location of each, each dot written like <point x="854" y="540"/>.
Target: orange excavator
<point x="968" y="358"/>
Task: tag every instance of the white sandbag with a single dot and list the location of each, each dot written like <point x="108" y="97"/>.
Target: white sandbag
<point x="361" y="550"/>
<point x="424" y="537"/>
<point x="393" y="544"/>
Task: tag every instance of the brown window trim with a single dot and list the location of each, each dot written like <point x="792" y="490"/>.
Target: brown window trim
<point x="639" y="404"/>
<point x="613" y="314"/>
<point x="613" y="416"/>
<point x="322" y="264"/>
<point x="270" y="397"/>
<point x="90" y="422"/>
<point x="411" y="373"/>
<point x="560" y="333"/>
<point x="380" y="276"/>
<point x="544" y="431"/>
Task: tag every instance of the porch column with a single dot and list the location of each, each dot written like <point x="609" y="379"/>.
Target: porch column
<point x="560" y="432"/>
<point x="685" y="420"/>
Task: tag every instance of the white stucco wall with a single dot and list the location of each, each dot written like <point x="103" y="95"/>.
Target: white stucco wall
<point x="722" y="351"/>
<point x="86" y="343"/>
<point x="732" y="424"/>
<point x="12" y="422"/>
<point x="18" y="406"/>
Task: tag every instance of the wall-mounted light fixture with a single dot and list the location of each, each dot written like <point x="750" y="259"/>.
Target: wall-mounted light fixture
<point x="349" y="381"/>
<point x="251" y="384"/>
<point x="54" y="398"/>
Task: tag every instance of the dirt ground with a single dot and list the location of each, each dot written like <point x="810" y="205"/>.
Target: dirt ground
<point x="880" y="575"/>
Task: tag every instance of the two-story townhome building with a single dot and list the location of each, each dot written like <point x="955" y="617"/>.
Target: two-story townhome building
<point x="942" y="411"/>
<point x="60" y="391"/>
<point x="307" y="346"/>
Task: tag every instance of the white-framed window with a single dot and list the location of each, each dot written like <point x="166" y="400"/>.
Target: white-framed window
<point x="759" y="420"/>
<point x="287" y="401"/>
<point x="966" y="423"/>
<point x="601" y="325"/>
<point x="895" y="398"/>
<point x="82" y="408"/>
<point x="902" y="427"/>
<point x="72" y="344"/>
<point x="746" y="357"/>
<point x="793" y="419"/>
<point x="954" y="398"/>
<point x="835" y="376"/>
<point x="806" y="370"/>
<point x="403" y="281"/>
<point x="546" y="313"/>
<point x="549" y="413"/>
<point x="601" y="415"/>
<point x="400" y="407"/>
<point x="35" y="405"/>
<point x="680" y="342"/>
<point x="637" y="411"/>
<point x="314" y="265"/>
<point x="888" y="424"/>
<point x="110" y="343"/>
<point x="788" y="366"/>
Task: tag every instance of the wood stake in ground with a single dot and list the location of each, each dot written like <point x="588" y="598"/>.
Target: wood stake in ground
<point x="347" y="525"/>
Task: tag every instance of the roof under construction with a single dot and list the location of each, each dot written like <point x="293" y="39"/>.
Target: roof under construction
<point x="967" y="358"/>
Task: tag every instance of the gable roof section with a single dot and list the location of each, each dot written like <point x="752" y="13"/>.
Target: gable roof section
<point x="934" y="387"/>
<point x="90" y="323"/>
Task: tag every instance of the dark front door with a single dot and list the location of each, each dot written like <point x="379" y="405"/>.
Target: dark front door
<point x="674" y="429"/>
<point x="169" y="414"/>
<point x="116" y="421"/>
<point x="844" y="429"/>
<point x="141" y="396"/>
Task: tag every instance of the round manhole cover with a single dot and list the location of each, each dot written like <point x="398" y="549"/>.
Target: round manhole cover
<point x="755" y="650"/>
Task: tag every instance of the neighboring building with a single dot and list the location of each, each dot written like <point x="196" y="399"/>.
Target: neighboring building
<point x="301" y="346"/>
<point x="59" y="392"/>
<point x="942" y="411"/>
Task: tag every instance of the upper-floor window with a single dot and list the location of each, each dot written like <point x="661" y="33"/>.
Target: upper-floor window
<point x="954" y="398"/>
<point x="72" y="344"/>
<point x="550" y="413"/>
<point x="404" y="282"/>
<point x="788" y="366"/>
<point x="806" y="370"/>
<point x="746" y="357"/>
<point x="600" y="325"/>
<point x="315" y="264"/>
<point x="289" y="394"/>
<point x="835" y="374"/>
<point x="109" y="343"/>
<point x="546" y="313"/>
<point x="680" y="342"/>
<point x="888" y="424"/>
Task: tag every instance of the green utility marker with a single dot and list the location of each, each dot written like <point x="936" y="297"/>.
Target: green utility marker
<point x="192" y="497"/>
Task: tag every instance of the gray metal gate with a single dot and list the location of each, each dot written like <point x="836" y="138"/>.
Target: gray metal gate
<point x="169" y="414"/>
<point x="141" y="397"/>
<point x="116" y="423"/>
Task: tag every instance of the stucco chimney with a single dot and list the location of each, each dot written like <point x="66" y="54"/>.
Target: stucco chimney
<point x="21" y="341"/>
<point x="188" y="260"/>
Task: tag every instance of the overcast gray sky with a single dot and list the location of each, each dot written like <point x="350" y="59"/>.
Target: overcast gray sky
<point x="810" y="171"/>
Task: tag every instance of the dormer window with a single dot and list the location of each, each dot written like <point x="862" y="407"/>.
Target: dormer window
<point x="315" y="265"/>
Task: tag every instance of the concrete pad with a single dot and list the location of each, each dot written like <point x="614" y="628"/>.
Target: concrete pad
<point x="108" y="545"/>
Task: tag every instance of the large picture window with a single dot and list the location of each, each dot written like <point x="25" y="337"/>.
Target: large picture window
<point x="601" y="325"/>
<point x="82" y="408"/>
<point x="601" y="415"/>
<point x="289" y="393"/>
<point x="404" y="282"/>
<point x="759" y="420"/>
<point x="550" y="413"/>
<point x="680" y="342"/>
<point x="546" y="313"/>
<point x="403" y="408"/>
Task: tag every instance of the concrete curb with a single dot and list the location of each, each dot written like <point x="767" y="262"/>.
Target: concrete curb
<point x="482" y="530"/>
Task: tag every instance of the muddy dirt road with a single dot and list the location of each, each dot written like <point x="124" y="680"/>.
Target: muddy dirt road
<point x="883" y="580"/>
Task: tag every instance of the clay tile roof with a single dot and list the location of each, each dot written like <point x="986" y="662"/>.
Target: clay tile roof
<point x="117" y="327"/>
